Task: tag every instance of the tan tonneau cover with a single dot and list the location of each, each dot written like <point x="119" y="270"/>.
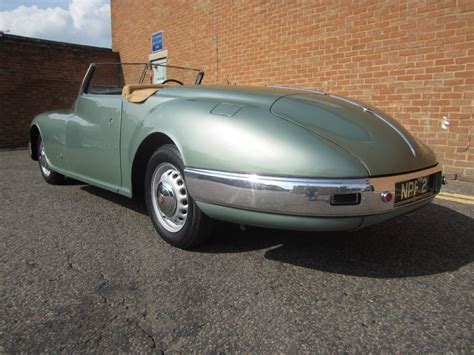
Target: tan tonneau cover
<point x="140" y="92"/>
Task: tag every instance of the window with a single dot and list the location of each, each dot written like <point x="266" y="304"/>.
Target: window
<point x="107" y="79"/>
<point x="159" y="70"/>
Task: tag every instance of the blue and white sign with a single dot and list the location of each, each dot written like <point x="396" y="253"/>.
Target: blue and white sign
<point x="156" y="42"/>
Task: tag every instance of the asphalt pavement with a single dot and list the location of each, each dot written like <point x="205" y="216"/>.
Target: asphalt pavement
<point x="83" y="270"/>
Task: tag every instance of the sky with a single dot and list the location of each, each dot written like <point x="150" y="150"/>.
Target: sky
<point x="74" y="21"/>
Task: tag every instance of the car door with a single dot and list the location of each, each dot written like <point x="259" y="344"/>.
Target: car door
<point x="93" y="134"/>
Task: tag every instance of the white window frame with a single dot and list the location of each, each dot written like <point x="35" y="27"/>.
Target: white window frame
<point x="160" y="57"/>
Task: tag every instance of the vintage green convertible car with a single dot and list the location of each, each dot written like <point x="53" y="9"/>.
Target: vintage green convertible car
<point x="274" y="157"/>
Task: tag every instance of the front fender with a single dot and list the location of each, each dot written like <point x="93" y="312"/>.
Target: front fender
<point x="51" y="126"/>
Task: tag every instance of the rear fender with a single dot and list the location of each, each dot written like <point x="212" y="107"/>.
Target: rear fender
<point x="249" y="140"/>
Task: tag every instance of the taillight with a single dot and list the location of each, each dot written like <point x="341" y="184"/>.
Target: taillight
<point x="386" y="196"/>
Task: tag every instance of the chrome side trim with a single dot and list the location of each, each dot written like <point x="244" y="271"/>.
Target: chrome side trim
<point x="296" y="196"/>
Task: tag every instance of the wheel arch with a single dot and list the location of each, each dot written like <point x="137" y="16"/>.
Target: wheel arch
<point x="145" y="150"/>
<point x="34" y="135"/>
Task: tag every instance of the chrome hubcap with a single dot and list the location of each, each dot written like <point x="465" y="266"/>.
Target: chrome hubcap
<point x="43" y="161"/>
<point x="169" y="197"/>
<point x="166" y="199"/>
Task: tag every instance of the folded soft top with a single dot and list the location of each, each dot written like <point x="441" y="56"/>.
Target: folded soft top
<point x="140" y="92"/>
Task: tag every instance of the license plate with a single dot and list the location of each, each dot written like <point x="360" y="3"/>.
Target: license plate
<point x="413" y="189"/>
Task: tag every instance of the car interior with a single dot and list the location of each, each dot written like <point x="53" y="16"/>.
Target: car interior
<point x="129" y="79"/>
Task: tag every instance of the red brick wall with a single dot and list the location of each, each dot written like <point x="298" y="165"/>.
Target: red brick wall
<point x="37" y="76"/>
<point x="412" y="59"/>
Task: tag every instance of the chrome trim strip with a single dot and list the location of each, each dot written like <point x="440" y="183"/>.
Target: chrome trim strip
<point x="349" y="101"/>
<point x="299" y="89"/>
<point x="380" y="117"/>
<point x="296" y="196"/>
<point x="395" y="128"/>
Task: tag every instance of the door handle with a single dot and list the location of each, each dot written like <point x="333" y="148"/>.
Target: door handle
<point x="111" y="120"/>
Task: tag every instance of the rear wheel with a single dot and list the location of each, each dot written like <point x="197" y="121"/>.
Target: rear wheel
<point x="175" y="215"/>
<point x="51" y="177"/>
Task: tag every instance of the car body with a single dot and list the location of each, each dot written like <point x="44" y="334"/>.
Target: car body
<point x="273" y="157"/>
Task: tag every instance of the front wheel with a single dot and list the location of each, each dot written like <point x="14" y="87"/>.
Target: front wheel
<point x="51" y="177"/>
<point x="175" y="215"/>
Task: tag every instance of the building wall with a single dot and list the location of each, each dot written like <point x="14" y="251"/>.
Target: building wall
<point x="37" y="76"/>
<point x="412" y="59"/>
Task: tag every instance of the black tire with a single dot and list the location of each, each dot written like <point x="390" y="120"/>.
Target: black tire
<point x="197" y="227"/>
<point x="50" y="176"/>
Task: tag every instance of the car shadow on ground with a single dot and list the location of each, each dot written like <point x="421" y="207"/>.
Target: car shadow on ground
<point x="433" y="240"/>
<point x="72" y="182"/>
<point x="135" y="204"/>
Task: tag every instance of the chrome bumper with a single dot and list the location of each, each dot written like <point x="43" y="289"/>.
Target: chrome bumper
<point x="300" y="196"/>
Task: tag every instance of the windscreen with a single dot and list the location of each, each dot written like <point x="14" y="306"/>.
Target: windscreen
<point x="110" y="78"/>
<point x="169" y="74"/>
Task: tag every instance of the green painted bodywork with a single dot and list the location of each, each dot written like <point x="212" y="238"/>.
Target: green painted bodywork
<point x="245" y="130"/>
<point x="302" y="223"/>
<point x="368" y="138"/>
